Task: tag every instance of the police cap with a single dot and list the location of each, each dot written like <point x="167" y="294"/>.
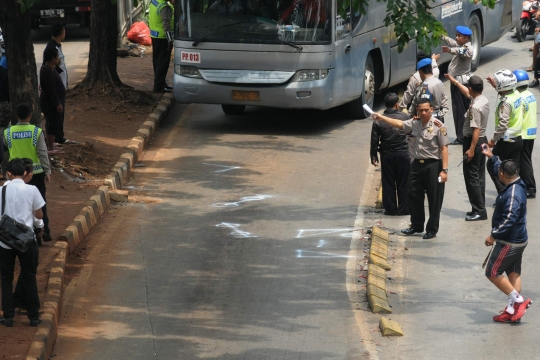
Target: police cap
<point x="464" y="30"/>
<point x="422" y="63"/>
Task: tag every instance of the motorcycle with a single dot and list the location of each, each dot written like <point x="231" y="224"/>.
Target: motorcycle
<point x="527" y="23"/>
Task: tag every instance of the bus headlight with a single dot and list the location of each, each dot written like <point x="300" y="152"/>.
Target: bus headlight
<point x="310" y="75"/>
<point x="187" y="71"/>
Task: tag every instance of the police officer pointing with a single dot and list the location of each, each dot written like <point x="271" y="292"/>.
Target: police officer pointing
<point x="430" y="150"/>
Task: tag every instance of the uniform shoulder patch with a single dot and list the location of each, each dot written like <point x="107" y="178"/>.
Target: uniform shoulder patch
<point x="438" y="123"/>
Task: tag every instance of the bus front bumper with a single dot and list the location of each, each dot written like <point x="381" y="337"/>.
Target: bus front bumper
<point x="315" y="94"/>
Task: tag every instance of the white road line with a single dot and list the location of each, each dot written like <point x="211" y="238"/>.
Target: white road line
<point x="351" y="280"/>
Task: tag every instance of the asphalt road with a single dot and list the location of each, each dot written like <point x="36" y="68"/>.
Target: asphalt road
<point x="238" y="245"/>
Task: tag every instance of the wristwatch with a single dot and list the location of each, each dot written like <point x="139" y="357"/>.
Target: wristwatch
<point x="445" y="170"/>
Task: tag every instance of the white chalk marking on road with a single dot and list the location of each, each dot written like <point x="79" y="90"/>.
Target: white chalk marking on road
<point x="317" y="254"/>
<point x="314" y="232"/>
<point x="227" y="168"/>
<point x="242" y="200"/>
<point x="351" y="276"/>
<point x="236" y="232"/>
<point x="321" y="243"/>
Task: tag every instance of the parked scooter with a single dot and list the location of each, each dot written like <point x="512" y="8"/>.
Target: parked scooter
<point x="527" y="23"/>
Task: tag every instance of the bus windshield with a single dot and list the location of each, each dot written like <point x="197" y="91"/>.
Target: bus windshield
<point x="254" y="21"/>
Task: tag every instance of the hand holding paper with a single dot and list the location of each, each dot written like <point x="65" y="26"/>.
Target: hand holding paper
<point x="368" y="109"/>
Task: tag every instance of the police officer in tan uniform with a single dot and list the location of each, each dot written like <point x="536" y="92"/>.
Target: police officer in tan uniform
<point x="431" y="88"/>
<point x="429" y="170"/>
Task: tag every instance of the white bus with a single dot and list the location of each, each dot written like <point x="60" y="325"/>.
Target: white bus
<point x="301" y="54"/>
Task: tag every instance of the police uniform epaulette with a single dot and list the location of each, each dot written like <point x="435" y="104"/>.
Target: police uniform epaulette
<point x="438" y="123"/>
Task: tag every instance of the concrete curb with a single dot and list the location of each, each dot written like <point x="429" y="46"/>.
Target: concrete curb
<point x="376" y="279"/>
<point x="378" y="203"/>
<point x="45" y="336"/>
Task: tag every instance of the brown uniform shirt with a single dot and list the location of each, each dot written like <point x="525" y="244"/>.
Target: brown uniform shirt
<point x="428" y="140"/>
<point x="477" y="116"/>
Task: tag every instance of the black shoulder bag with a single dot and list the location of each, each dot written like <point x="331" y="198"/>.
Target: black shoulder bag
<point x="12" y="233"/>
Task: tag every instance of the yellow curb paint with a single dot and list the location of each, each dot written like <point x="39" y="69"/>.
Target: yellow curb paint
<point x="379" y="204"/>
<point x="389" y="327"/>
<point x="377" y="231"/>
<point x="376" y="281"/>
<point x="379" y="261"/>
<point x="378" y="305"/>
<point x="375" y="291"/>
<point x="377" y="271"/>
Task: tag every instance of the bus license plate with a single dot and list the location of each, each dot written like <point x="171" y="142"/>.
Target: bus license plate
<point x="246" y="95"/>
<point x="52" y="13"/>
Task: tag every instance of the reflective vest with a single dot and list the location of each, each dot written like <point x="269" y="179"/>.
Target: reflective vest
<point x="529" y="115"/>
<point x="22" y="143"/>
<point x="155" y="22"/>
<point x="516" y="115"/>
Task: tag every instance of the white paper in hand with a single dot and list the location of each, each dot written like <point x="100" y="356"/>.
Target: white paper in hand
<point x="368" y="109"/>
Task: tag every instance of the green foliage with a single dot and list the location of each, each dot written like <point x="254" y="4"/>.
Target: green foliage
<point x="411" y="18"/>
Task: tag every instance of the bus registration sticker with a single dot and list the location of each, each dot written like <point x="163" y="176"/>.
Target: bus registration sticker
<point x="190" y="57"/>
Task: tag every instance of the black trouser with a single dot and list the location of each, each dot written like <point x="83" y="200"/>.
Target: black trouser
<point x="537" y="68"/>
<point x="28" y="262"/>
<point x="394" y="175"/>
<point x="161" y="56"/>
<point x="505" y="150"/>
<point x="423" y="178"/>
<point x="460" y="105"/>
<point x="474" y="173"/>
<point x="526" y="171"/>
<point x="59" y="134"/>
<point x="38" y="180"/>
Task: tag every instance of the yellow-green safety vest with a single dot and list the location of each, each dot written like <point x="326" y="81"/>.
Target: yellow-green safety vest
<point x="155" y="23"/>
<point x="529" y="115"/>
<point x="22" y="143"/>
<point x="516" y="115"/>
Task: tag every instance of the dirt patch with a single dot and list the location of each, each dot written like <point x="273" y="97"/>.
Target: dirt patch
<point x="101" y="129"/>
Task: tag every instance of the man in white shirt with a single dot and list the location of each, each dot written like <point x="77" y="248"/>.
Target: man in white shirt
<point x="23" y="203"/>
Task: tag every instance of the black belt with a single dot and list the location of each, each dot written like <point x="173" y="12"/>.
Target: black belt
<point x="426" y="161"/>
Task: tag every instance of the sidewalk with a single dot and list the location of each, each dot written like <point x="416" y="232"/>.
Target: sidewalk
<point x="101" y="129"/>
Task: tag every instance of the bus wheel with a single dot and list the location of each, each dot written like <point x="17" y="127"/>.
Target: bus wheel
<point x="233" y="109"/>
<point x="356" y="107"/>
<point x="476" y="40"/>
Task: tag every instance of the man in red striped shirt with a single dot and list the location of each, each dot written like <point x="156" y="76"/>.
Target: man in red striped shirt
<point x="509" y="231"/>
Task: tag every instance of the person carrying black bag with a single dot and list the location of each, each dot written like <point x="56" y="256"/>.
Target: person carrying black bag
<point x="22" y="203"/>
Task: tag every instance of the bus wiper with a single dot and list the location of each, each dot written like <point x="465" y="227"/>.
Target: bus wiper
<point x="297" y="47"/>
<point x="215" y="28"/>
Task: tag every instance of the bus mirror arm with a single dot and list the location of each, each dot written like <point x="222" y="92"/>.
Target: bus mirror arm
<point x="348" y="49"/>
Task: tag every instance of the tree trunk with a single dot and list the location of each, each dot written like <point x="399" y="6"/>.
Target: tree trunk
<point x="103" y="37"/>
<point x="22" y="72"/>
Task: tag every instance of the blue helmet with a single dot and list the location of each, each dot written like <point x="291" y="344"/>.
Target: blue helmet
<point x="522" y="77"/>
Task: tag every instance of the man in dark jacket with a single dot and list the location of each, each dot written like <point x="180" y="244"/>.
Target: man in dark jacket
<point x="395" y="163"/>
<point x="509" y="231"/>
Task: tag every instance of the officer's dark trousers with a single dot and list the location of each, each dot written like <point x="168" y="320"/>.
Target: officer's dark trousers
<point x="395" y="170"/>
<point x="526" y="171"/>
<point x="28" y="262"/>
<point x="161" y="58"/>
<point x="505" y="150"/>
<point x="474" y="173"/>
<point x="423" y="178"/>
<point x="38" y="180"/>
<point x="460" y="105"/>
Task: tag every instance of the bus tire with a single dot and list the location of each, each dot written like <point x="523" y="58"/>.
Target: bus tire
<point x="356" y="107"/>
<point x="233" y="109"/>
<point x="476" y="40"/>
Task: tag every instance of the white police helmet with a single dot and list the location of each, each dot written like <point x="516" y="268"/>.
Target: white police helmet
<point x="505" y="80"/>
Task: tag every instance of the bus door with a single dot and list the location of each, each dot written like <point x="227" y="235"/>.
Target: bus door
<point x="344" y="86"/>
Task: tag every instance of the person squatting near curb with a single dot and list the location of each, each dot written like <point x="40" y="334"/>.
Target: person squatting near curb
<point x="23" y="204"/>
<point x="474" y="136"/>
<point x="460" y="69"/>
<point x="526" y="171"/>
<point x="509" y="231"/>
<point x="431" y="88"/>
<point x="430" y="163"/>
<point x="393" y="146"/>
<point x="25" y="140"/>
<point x="506" y="142"/>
